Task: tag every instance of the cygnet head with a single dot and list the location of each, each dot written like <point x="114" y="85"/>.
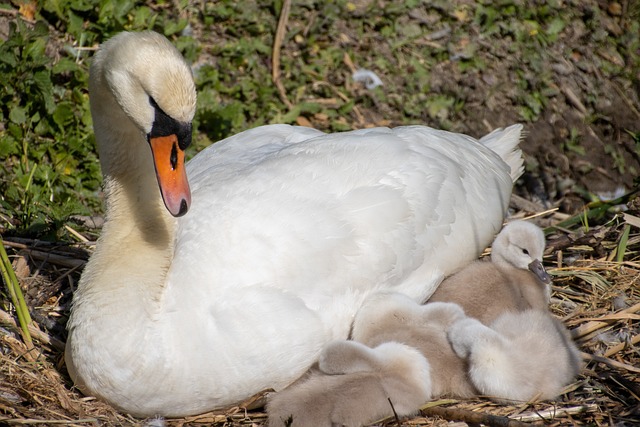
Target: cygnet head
<point x="521" y="244"/>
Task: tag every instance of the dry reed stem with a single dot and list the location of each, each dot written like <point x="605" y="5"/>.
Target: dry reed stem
<point x="471" y="417"/>
<point x="595" y="325"/>
<point x="554" y="413"/>
<point x="7" y="321"/>
<point x="275" y="56"/>
<point x="622" y="346"/>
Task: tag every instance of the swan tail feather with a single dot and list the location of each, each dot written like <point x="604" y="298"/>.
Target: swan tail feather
<point x="504" y="142"/>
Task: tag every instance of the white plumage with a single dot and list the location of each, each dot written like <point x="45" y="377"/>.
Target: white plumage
<point x="289" y="229"/>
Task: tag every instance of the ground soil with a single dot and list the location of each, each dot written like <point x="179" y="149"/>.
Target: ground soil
<point x="579" y="144"/>
<point x="586" y="103"/>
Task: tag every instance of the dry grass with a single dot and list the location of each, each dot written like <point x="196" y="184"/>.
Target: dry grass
<point x="596" y="296"/>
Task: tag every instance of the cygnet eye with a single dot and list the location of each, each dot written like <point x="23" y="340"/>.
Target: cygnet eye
<point x="525" y="251"/>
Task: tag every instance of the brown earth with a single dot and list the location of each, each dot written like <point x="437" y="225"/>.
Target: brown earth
<point x="586" y="105"/>
<point x="585" y="86"/>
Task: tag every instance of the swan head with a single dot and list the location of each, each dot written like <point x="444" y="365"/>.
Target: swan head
<point x="149" y="80"/>
<point x="521" y="244"/>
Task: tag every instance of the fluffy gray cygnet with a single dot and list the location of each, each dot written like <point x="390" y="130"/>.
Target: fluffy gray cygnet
<point x="486" y="331"/>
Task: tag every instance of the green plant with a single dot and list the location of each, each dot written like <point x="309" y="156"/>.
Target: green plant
<point x="616" y="157"/>
<point x="49" y="166"/>
<point x="442" y="64"/>
<point x="572" y="144"/>
<point x="15" y="294"/>
<point x="47" y="128"/>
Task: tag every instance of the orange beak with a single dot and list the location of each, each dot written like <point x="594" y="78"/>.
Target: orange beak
<point x="168" y="159"/>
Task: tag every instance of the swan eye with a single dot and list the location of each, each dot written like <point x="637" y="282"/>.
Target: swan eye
<point x="525" y="251"/>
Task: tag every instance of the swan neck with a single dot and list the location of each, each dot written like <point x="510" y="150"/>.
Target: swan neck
<point x="135" y="249"/>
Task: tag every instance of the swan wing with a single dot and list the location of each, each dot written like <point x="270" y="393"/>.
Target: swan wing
<point x="315" y="214"/>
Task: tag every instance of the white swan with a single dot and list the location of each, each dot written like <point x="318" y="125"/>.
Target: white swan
<point x="289" y="229"/>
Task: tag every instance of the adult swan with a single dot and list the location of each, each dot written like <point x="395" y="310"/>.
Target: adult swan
<point x="288" y="229"/>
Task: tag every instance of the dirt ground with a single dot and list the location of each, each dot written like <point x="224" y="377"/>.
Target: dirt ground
<point x="580" y="142"/>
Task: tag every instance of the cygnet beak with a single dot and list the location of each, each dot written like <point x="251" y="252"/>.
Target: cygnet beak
<point x="537" y="268"/>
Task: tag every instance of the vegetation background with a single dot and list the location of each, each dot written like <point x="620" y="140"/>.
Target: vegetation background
<point x="569" y="70"/>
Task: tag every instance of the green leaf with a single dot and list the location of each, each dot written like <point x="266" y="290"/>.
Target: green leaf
<point x="35" y="50"/>
<point x="63" y="114"/>
<point x="54" y="6"/>
<point x="42" y="79"/>
<point x="15" y="131"/>
<point x="292" y="115"/>
<point x="64" y="65"/>
<point x="42" y="127"/>
<point x="175" y="27"/>
<point x="40" y="30"/>
<point x="143" y="16"/>
<point x="76" y="24"/>
<point x="18" y="115"/>
<point x="555" y="27"/>
<point x="8" y="147"/>
<point x="8" y="58"/>
<point x="82" y="5"/>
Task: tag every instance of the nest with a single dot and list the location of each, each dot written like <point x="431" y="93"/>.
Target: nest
<point x="596" y="293"/>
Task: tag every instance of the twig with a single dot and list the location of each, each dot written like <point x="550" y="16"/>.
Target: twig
<point x="75" y="234"/>
<point x="62" y="260"/>
<point x="349" y="63"/>
<point x="550" y="414"/>
<point x="395" y="414"/>
<point x="563" y="241"/>
<point x="631" y="219"/>
<point x="610" y="362"/>
<point x="552" y="211"/>
<point x="619" y="347"/>
<point x="627" y="101"/>
<point x="44" y="368"/>
<point x="277" y="44"/>
<point x="574" y="100"/>
<point x="593" y="326"/>
<point x="12" y="12"/>
<point x="456" y="414"/>
<point x="614" y="316"/>
<point x="28" y="421"/>
<point x="523" y="204"/>
<point x="37" y="334"/>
